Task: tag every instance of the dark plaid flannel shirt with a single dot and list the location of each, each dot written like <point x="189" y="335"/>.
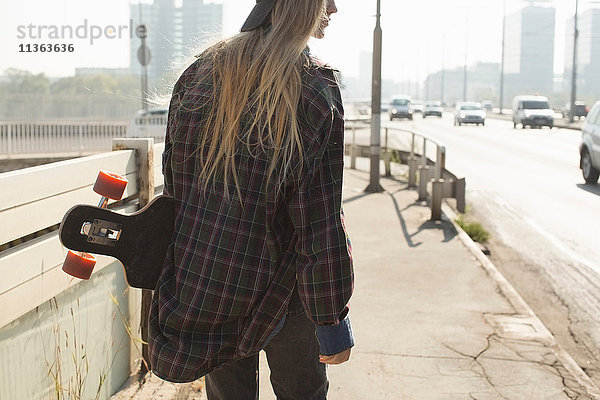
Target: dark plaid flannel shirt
<point x="230" y="270"/>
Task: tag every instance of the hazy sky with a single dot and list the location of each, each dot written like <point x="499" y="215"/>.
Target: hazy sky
<point x="419" y="35"/>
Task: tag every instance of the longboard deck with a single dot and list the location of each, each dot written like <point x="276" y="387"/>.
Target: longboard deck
<point x="139" y="240"/>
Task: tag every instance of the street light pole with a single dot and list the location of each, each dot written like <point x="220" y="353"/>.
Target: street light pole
<point x="466" y="57"/>
<point x="502" y="61"/>
<point x="374" y="186"/>
<point x="574" y="71"/>
<point x="443" y="67"/>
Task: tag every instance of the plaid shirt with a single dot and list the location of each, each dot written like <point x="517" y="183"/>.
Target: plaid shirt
<point x="230" y="271"/>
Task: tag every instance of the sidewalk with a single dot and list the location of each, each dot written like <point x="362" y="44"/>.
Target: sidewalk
<point x="432" y="318"/>
<point x="429" y="320"/>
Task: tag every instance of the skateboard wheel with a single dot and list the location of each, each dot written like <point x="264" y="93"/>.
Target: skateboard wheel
<point x="79" y="265"/>
<point x="110" y="185"/>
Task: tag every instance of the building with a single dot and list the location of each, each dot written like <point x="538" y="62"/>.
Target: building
<point x="175" y="32"/>
<point x="529" y="51"/>
<point x="483" y="82"/>
<point x="588" y="55"/>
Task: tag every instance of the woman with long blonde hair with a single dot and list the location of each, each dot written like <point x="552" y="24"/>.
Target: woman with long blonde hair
<point x="260" y="259"/>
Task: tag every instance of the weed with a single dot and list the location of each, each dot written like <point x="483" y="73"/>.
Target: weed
<point x="71" y="355"/>
<point x="473" y="229"/>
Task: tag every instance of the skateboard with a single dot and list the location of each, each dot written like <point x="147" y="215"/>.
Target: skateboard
<point x="139" y="240"/>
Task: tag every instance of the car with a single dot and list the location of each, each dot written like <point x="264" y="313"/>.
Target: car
<point x="487" y="105"/>
<point x="581" y="110"/>
<point x="417" y="106"/>
<point x="401" y="107"/>
<point x="469" y="112"/>
<point x="533" y="111"/>
<point x="433" y="108"/>
<point x="589" y="149"/>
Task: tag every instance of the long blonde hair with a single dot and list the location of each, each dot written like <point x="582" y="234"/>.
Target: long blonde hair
<point x="256" y="85"/>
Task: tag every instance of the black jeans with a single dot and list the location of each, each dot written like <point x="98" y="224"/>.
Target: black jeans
<point x="293" y="357"/>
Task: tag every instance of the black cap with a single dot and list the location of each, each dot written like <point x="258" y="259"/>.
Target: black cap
<point x="258" y="15"/>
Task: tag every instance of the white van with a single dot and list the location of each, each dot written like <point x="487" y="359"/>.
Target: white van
<point x="533" y="111"/>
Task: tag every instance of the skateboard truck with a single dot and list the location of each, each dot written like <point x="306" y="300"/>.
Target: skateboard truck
<point x="102" y="232"/>
<point x="79" y="264"/>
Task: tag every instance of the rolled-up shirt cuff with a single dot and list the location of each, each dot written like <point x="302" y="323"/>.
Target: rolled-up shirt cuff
<point x="334" y="339"/>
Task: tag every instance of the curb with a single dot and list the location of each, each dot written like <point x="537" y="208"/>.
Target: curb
<point x="522" y="307"/>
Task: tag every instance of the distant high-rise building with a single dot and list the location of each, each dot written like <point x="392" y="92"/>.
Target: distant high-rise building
<point x="529" y="51"/>
<point x="483" y="83"/>
<point x="174" y="32"/>
<point x="588" y="54"/>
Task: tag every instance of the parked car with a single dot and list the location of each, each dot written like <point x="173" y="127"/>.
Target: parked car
<point x="581" y="110"/>
<point x="589" y="149"/>
<point x="433" y="108"/>
<point x="401" y="107"/>
<point x="533" y="111"/>
<point x="469" y="112"/>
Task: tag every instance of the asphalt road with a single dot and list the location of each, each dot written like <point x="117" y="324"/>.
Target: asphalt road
<point x="525" y="186"/>
<point x="532" y="173"/>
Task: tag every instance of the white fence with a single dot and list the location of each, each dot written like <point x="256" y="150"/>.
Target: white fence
<point x="40" y="138"/>
<point x="22" y="138"/>
<point x="61" y="337"/>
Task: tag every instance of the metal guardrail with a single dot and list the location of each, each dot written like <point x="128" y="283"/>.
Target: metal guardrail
<point x="429" y="170"/>
<point x="79" y="138"/>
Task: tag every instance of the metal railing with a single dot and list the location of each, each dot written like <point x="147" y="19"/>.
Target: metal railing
<point x="58" y="137"/>
<point x="426" y="160"/>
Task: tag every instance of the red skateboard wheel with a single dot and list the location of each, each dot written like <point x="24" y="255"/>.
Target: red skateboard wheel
<point x="79" y="265"/>
<point x="110" y="185"/>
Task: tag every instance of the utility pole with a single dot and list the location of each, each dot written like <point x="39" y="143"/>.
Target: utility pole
<point x="374" y="186"/>
<point x="428" y="76"/>
<point x="144" y="57"/>
<point x="443" y="67"/>
<point x="502" y="61"/>
<point x="574" y="72"/>
<point x="466" y="57"/>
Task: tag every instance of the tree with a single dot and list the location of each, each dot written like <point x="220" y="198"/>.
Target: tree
<point x="20" y="81"/>
<point x="97" y="84"/>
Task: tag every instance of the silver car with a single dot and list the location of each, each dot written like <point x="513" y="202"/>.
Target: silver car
<point x="589" y="149"/>
<point x="401" y="107"/>
<point x="469" y="112"/>
<point x="433" y="108"/>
